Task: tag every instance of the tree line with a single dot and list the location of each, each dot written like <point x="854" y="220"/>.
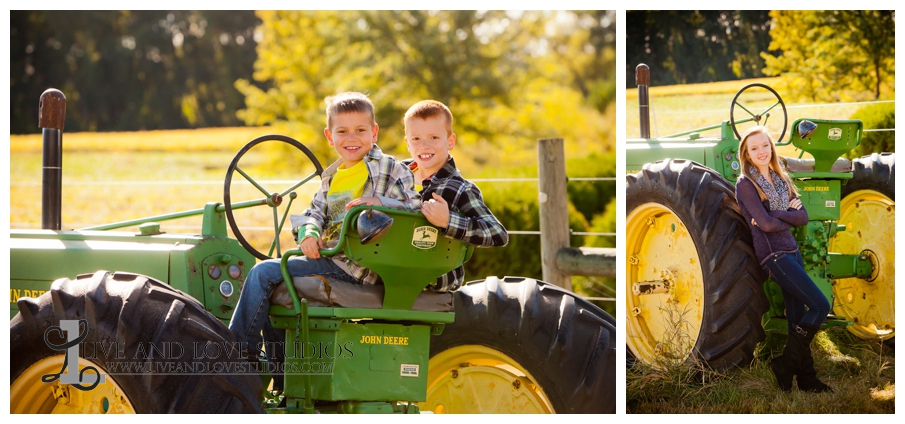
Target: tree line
<point x="829" y="55"/>
<point x="131" y="70"/>
<point x="146" y="70"/>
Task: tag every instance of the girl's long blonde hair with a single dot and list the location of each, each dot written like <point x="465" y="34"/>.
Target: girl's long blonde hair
<point x="775" y="165"/>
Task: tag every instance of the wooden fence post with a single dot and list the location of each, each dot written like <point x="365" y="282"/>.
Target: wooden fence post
<point x="588" y="261"/>
<point x="553" y="203"/>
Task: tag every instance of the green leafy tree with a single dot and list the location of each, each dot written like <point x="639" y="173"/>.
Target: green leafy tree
<point x="591" y="197"/>
<point x="582" y="43"/>
<point x="833" y="55"/>
<point x="604" y="222"/>
<point x="881" y="116"/>
<point x="488" y="67"/>
<point x="397" y="58"/>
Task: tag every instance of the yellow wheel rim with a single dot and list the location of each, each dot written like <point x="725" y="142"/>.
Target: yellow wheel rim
<point x="869" y="218"/>
<point x="664" y="286"/>
<point x="29" y="395"/>
<point x="474" y="379"/>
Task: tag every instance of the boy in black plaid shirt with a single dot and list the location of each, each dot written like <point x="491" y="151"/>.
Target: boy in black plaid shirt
<point x="448" y="200"/>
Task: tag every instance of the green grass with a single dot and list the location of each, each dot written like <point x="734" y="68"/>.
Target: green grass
<point x="862" y="374"/>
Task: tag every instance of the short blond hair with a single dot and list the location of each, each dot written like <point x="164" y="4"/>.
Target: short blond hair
<point x="429" y="109"/>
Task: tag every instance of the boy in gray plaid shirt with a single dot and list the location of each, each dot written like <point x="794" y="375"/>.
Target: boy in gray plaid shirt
<point x="362" y="175"/>
<point x="448" y="200"/>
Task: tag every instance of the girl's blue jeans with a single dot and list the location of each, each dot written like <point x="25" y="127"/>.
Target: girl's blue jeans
<point x="805" y="303"/>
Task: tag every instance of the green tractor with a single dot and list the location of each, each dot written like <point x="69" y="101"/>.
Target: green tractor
<point x="110" y="321"/>
<point x="694" y="289"/>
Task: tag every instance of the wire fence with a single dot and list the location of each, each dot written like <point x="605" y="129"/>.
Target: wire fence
<point x="288" y="182"/>
<point x="788" y="107"/>
<point x="669" y="118"/>
<point x="599" y="290"/>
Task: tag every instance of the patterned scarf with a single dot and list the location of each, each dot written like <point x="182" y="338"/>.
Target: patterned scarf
<point x="778" y="194"/>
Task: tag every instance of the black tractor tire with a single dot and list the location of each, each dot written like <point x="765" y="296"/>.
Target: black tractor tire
<point x="137" y="312"/>
<point x="733" y="298"/>
<point x="565" y="344"/>
<point x="869" y="217"/>
<point x="876" y="172"/>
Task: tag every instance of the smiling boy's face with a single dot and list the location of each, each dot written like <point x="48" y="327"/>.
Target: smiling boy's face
<point x="352" y="135"/>
<point x="428" y="142"/>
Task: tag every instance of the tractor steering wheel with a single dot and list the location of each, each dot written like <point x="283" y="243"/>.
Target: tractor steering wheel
<point x="272" y="199"/>
<point x="759" y="117"/>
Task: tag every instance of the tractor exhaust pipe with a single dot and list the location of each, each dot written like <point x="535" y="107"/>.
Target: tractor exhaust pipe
<point x="642" y="80"/>
<point x="51" y="115"/>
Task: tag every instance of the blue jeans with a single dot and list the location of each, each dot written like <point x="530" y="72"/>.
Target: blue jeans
<point x="805" y="303"/>
<point x="251" y="316"/>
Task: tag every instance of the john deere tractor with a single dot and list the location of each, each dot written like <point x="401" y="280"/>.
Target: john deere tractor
<point x="694" y="288"/>
<point x="108" y="320"/>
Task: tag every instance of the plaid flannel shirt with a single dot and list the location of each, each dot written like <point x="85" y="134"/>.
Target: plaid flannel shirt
<point x="469" y="218"/>
<point x="388" y="179"/>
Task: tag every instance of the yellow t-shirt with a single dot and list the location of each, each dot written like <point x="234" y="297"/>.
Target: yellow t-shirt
<point x="347" y="185"/>
<point x="419" y="187"/>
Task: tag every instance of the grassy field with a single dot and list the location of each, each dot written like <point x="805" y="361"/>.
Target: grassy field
<point x="862" y="374"/>
<point x="200" y="140"/>
<point x="679" y="108"/>
<point x="114" y="177"/>
<point x="105" y="185"/>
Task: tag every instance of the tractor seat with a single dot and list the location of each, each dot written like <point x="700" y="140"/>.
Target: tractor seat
<point x="328" y="292"/>
<point x="408" y="255"/>
<point x="826" y="141"/>
<point x="795" y="165"/>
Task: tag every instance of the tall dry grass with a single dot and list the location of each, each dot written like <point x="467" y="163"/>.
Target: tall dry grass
<point x="197" y="140"/>
<point x="679" y="108"/>
<point x="115" y="177"/>
<point x="861" y="372"/>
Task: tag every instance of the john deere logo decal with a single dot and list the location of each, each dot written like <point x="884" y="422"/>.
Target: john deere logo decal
<point x="835" y="134"/>
<point x="424" y="237"/>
